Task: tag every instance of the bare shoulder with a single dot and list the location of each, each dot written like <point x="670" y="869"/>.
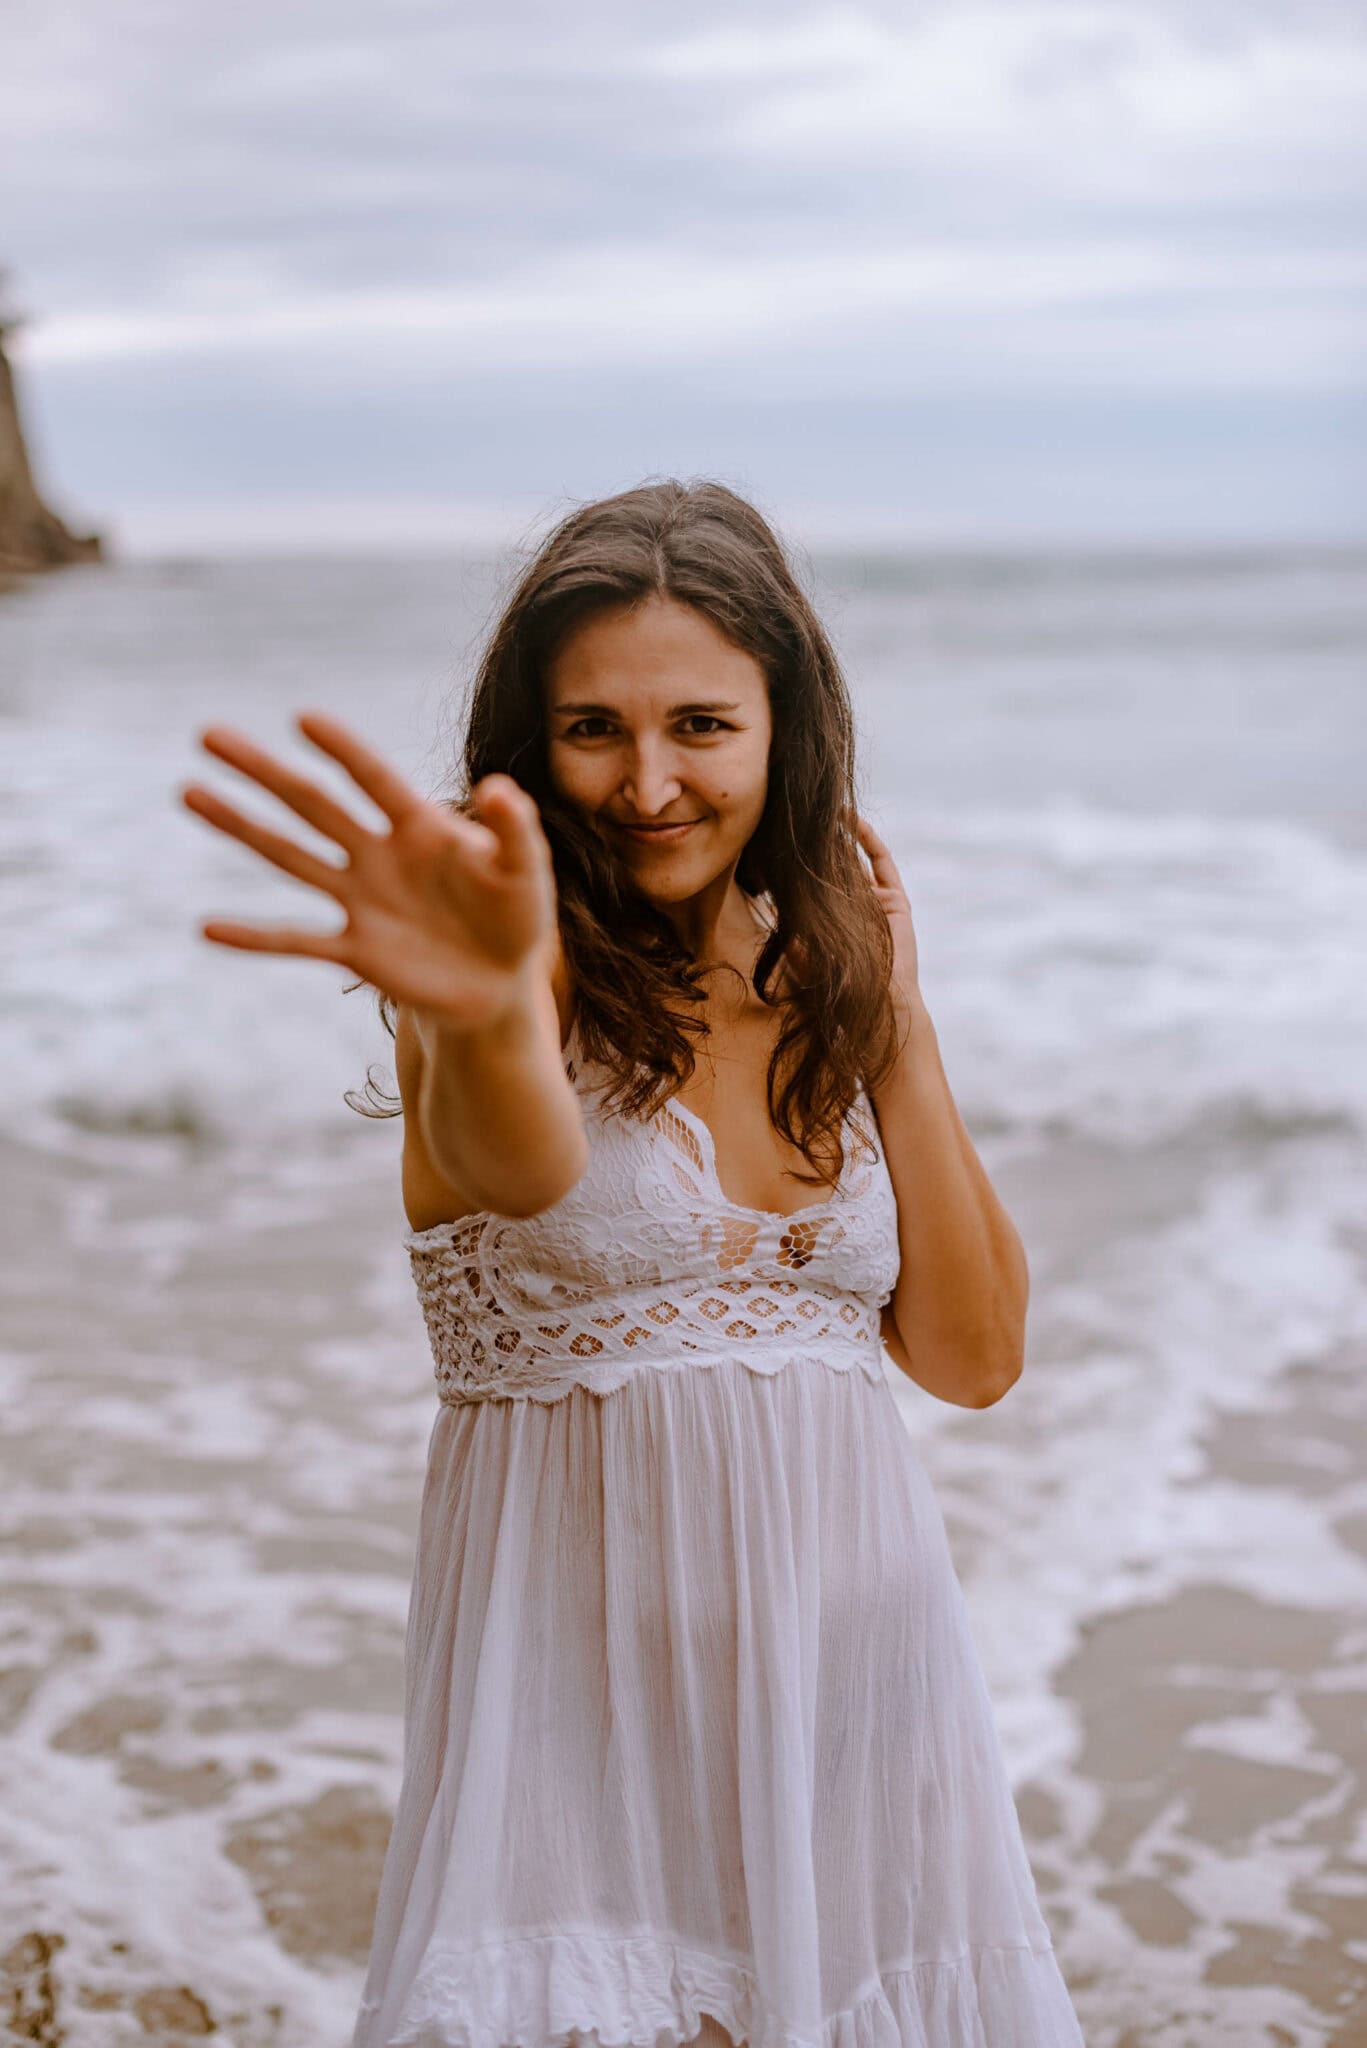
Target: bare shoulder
<point x="428" y="1197"/>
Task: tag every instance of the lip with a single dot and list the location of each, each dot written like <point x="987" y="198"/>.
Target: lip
<point x="657" y="835"/>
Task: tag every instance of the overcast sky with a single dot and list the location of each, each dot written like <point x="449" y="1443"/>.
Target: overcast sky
<point x="383" y="272"/>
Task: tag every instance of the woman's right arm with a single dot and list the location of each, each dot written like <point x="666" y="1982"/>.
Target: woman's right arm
<point x="453" y="915"/>
<point x="491" y="1120"/>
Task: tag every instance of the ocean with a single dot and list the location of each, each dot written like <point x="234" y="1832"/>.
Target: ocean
<point x="1126" y="793"/>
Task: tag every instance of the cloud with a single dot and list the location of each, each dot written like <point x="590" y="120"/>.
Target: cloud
<point x="429" y="217"/>
<point x="1099" y="104"/>
<point x="1091" y="311"/>
<point x="351" y="147"/>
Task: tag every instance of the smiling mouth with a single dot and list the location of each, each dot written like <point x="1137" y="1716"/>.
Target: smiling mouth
<point x="657" y="831"/>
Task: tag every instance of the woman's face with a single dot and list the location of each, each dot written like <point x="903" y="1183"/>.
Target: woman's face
<point x="659" y="727"/>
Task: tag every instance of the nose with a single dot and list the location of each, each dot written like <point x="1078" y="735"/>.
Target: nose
<point x="652" y="782"/>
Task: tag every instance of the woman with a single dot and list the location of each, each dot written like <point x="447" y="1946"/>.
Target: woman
<point x="697" y="1742"/>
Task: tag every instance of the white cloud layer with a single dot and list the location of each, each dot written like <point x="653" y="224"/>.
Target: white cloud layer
<point x="1244" y="317"/>
<point x="1119" y="104"/>
<point x="391" y="205"/>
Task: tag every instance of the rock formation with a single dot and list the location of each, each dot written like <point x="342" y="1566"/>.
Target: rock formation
<point x="32" y="537"/>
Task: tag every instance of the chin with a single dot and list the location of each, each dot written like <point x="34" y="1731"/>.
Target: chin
<point x="667" y="888"/>
<point x="675" y="888"/>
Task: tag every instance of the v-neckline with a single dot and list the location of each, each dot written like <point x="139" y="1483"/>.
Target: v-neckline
<point x="708" y="1147"/>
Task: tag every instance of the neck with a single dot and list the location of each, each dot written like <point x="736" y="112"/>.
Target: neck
<point x="719" y="925"/>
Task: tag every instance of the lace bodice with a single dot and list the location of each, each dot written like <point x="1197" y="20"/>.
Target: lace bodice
<point x="646" y="1264"/>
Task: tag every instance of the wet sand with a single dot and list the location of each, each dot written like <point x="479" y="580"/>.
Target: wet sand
<point x="1207" y="1848"/>
<point x="216" y="1396"/>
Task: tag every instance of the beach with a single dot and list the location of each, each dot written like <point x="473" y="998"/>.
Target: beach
<point x="1125" y="798"/>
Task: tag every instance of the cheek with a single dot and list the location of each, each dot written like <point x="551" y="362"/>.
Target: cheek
<point x="743" y="780"/>
<point x="572" y="775"/>
<point x="745" y="784"/>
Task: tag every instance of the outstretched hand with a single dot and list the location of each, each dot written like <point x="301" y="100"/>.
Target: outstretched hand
<point x="443" y="912"/>
<point x="888" y="888"/>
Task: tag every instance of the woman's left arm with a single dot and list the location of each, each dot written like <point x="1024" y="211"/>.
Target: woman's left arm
<point x="956" y="1321"/>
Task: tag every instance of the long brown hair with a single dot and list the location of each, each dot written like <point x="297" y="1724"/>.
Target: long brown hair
<point x="638" y="991"/>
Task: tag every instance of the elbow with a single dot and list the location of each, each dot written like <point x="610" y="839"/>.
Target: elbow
<point x="1004" y="1347"/>
<point x="1003" y="1365"/>
<point x="977" y="1359"/>
<point x="992" y="1390"/>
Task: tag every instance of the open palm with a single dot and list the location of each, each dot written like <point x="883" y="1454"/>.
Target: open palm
<point x="443" y="912"/>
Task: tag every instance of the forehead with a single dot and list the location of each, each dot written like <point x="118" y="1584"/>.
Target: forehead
<point x="649" y="655"/>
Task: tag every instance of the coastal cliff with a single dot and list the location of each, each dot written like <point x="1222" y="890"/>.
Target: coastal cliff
<point x="32" y="537"/>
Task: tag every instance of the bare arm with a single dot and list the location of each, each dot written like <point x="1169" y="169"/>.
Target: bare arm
<point x="491" y="1119"/>
<point x="958" y="1308"/>
<point x="956" y="1321"/>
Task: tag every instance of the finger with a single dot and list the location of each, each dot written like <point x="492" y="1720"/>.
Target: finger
<point x="383" y="784"/>
<point x="248" y="938"/>
<point x="272" y="846"/>
<point x="505" y="808"/>
<point x="312" y="804"/>
<point x="880" y="856"/>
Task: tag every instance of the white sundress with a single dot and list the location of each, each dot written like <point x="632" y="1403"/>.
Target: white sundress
<point x="694" y="1719"/>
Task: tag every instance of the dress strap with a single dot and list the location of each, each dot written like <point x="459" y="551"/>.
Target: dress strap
<point x="572" y="1052"/>
<point x="762" y="913"/>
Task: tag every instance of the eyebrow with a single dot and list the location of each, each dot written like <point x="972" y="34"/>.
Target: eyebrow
<point x="606" y="710"/>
